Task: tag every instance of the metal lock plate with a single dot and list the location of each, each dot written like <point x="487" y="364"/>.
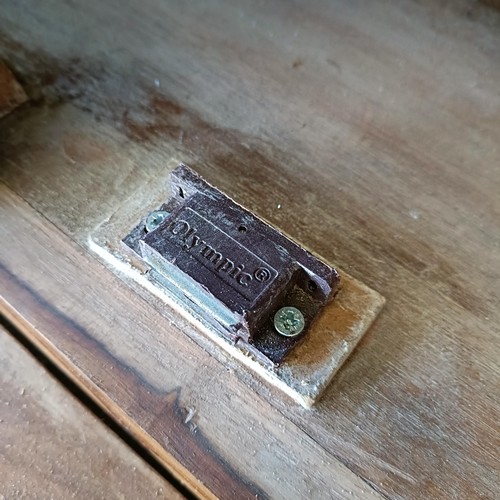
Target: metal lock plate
<point x="238" y="270"/>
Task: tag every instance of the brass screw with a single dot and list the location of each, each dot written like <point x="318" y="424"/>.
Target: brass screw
<point x="289" y="321"/>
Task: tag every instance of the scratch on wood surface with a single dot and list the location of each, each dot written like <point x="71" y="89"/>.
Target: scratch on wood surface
<point x="374" y="460"/>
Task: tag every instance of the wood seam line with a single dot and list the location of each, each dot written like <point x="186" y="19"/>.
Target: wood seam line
<point x="102" y="400"/>
<point x="75" y="391"/>
<point x="100" y="397"/>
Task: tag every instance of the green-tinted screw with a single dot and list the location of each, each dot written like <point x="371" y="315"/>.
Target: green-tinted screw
<point x="289" y="321"/>
<point x="154" y="219"/>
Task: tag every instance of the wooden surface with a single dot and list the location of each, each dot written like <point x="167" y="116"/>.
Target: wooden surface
<point x="51" y="446"/>
<point x="209" y="427"/>
<point x="374" y="127"/>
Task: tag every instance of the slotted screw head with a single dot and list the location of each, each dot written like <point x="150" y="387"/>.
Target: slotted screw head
<point x="154" y="219"/>
<point x="289" y="321"/>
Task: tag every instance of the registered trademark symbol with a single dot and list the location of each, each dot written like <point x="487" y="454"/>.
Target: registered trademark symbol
<point x="261" y="274"/>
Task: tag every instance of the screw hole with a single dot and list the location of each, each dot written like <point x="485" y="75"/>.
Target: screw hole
<point x="181" y="192"/>
<point x="242" y="229"/>
<point x="312" y="286"/>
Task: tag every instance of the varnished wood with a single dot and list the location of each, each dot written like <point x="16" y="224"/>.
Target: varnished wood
<point x="53" y="447"/>
<point x="376" y="131"/>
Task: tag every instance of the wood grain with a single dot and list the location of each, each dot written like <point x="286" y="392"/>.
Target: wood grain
<point x="192" y="412"/>
<point x="53" y="447"/>
<point x="374" y="128"/>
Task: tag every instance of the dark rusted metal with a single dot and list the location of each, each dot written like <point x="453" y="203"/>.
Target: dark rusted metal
<point x="236" y="269"/>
